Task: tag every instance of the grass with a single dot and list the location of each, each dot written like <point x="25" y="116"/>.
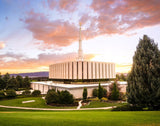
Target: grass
<point x="39" y="103"/>
<point x="96" y="104"/>
<point x="79" y="118"/>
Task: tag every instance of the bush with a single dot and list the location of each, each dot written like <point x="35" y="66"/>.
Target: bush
<point x="122" y="96"/>
<point x="127" y="108"/>
<point x="26" y="92"/>
<point x="95" y="92"/>
<point x="36" y="93"/>
<point x="104" y="92"/>
<point x="104" y="99"/>
<point x="2" y="95"/>
<point x="52" y="97"/>
<point x="65" y="97"/>
<point x="11" y="93"/>
<point x="114" y="91"/>
<point x="59" y="97"/>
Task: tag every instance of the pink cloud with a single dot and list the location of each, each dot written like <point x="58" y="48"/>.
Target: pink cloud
<point x="68" y="5"/>
<point x="116" y="16"/>
<point x="56" y="32"/>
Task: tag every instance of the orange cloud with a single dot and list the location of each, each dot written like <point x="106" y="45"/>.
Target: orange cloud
<point x="68" y="5"/>
<point x="22" y="63"/>
<point x="51" y="32"/>
<point x="117" y="16"/>
<point x="109" y="17"/>
<point x="2" y="45"/>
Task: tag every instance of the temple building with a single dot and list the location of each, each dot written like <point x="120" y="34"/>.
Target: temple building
<point x="76" y="75"/>
<point x="81" y="69"/>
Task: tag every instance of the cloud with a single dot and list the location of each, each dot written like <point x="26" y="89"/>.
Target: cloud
<point x="120" y="16"/>
<point x="67" y="5"/>
<point x="104" y="17"/>
<point x="21" y="62"/>
<point x="2" y="45"/>
<point x="57" y="32"/>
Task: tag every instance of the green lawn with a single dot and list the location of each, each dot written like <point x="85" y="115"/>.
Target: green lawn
<point x="96" y="104"/>
<point x="80" y="118"/>
<point x="39" y="103"/>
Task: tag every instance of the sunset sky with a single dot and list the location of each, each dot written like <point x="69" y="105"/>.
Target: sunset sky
<point x="37" y="33"/>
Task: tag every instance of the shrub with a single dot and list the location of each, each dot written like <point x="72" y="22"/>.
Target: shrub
<point x="65" y="97"/>
<point x="127" y="108"/>
<point x="95" y="92"/>
<point x="26" y="92"/>
<point x="2" y="95"/>
<point x="36" y="93"/>
<point x="104" y="92"/>
<point x="122" y="96"/>
<point x="52" y="97"/>
<point x="11" y="93"/>
<point x="59" y="97"/>
<point x="104" y="99"/>
<point x="114" y="91"/>
<point x="84" y="93"/>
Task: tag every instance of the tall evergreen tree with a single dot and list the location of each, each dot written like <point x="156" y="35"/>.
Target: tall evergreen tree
<point x="1" y="83"/>
<point x="144" y="79"/>
<point x="6" y="79"/>
<point x="84" y="93"/>
<point x="19" y="81"/>
<point x="26" y="82"/>
<point x="100" y="91"/>
<point x="12" y="84"/>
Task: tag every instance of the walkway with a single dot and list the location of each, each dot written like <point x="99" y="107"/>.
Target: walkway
<point x="79" y="104"/>
<point x="50" y="109"/>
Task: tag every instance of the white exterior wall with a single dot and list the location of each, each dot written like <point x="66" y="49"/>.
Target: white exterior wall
<point x="84" y="70"/>
<point x="70" y="70"/>
<point x="104" y="68"/>
<point x="114" y="70"/>
<point x="100" y="71"/>
<point x="66" y="71"/>
<point x="110" y="70"/>
<point x="94" y="70"/>
<point x="80" y="70"/>
<point x="89" y="71"/>
<point x="74" y="70"/>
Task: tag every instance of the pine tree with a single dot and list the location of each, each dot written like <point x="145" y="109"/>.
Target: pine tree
<point x="26" y="82"/>
<point x="84" y="93"/>
<point x="12" y="84"/>
<point x="1" y="83"/>
<point x="6" y="79"/>
<point x="114" y="91"/>
<point x="100" y="91"/>
<point x="19" y="81"/>
<point x="144" y="79"/>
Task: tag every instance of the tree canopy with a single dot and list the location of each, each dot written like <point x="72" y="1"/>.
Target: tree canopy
<point x="144" y="79"/>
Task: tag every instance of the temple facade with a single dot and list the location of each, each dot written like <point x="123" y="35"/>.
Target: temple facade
<point x="82" y="70"/>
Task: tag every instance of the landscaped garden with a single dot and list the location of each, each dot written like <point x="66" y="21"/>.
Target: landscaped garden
<point x="39" y="103"/>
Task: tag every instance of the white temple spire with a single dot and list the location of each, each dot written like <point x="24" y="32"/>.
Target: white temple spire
<point x="80" y="51"/>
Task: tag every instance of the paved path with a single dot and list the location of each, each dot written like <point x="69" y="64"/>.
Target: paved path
<point x="79" y="104"/>
<point x="50" y="109"/>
